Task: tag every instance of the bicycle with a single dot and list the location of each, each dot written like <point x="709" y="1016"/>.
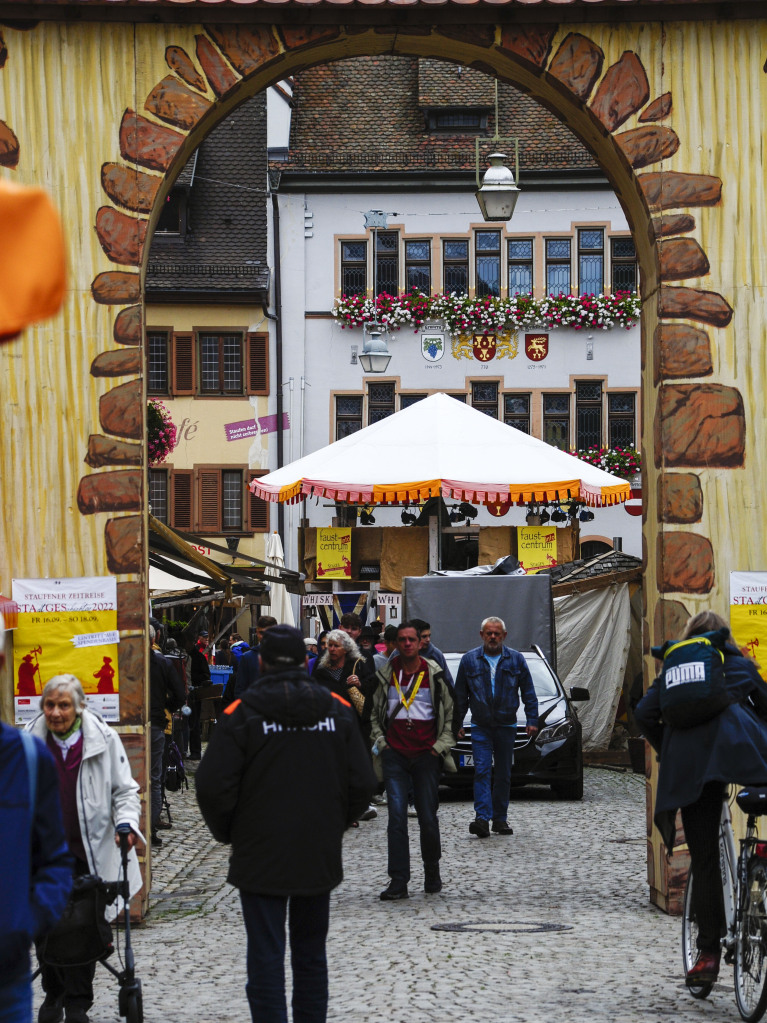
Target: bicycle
<point x="744" y="887"/>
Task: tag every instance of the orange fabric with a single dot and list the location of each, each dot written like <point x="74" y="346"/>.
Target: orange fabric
<point x="340" y="699"/>
<point x="32" y="259"/>
<point x="232" y="707"/>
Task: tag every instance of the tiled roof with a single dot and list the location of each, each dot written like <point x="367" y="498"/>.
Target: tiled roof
<point x="602" y="564"/>
<point x="201" y="6"/>
<point x="367" y="114"/>
<point x="224" y="249"/>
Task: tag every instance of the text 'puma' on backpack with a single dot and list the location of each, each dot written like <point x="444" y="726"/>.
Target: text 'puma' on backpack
<point x="693" y="688"/>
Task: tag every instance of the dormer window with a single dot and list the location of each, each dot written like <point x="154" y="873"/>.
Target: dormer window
<point x="456" y="120"/>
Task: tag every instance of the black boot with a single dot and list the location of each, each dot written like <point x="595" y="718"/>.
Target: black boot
<point x="432" y="882"/>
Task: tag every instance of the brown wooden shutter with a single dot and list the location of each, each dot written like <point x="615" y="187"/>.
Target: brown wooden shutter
<point x="257" y="363"/>
<point x="258" y="509"/>
<point x="181" y="510"/>
<point x="184" y="364"/>
<point x="209" y="500"/>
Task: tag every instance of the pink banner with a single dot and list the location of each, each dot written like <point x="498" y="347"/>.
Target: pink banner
<point x="251" y="428"/>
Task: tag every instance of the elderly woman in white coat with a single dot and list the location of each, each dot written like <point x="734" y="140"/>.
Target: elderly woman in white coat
<point x="98" y="793"/>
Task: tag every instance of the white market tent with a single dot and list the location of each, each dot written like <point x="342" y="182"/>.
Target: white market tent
<point x="441" y="446"/>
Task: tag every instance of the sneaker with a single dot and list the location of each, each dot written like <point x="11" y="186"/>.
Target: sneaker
<point x="502" y="828"/>
<point x="369" y="814"/>
<point x="480" y="828"/>
<point x="412" y="812"/>
<point x="397" y="890"/>
<point x="378" y="800"/>
<point x="432" y="882"/>
<point x="50" y="1011"/>
<point x="705" y="970"/>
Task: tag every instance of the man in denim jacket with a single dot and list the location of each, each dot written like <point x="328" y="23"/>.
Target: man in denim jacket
<point x="490" y="678"/>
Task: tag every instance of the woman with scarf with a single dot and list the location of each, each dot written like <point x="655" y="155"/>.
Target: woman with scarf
<point x="98" y="794"/>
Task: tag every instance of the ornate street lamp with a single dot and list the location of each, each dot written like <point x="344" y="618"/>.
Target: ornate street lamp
<point x="497" y="196"/>
<point x="375" y="355"/>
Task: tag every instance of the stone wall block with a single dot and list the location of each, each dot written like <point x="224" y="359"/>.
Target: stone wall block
<point x="577" y="64"/>
<point x="133" y="190"/>
<point x="672" y="189"/>
<point x="649" y="144"/>
<point x="681" y="351"/>
<point x="116" y="364"/>
<point x="120" y="236"/>
<point x="699" y="426"/>
<point x="121" y="411"/>
<point x="116" y="491"/>
<point x="530" y="43"/>
<point x="9" y="147"/>
<point x="175" y="103"/>
<point x="220" y="76"/>
<point x="131" y="666"/>
<point x="115" y="287"/>
<point x="127" y="328"/>
<point x="694" y="304"/>
<point x="109" y="451"/>
<point x="671" y="616"/>
<point x="178" y="60"/>
<point x="658" y="109"/>
<point x="674" y="223"/>
<point x="622" y="92"/>
<point x="124" y="545"/>
<point x="685" y="563"/>
<point x="131" y="606"/>
<point x="680" y="498"/>
<point x="146" y="143"/>
<point x="246" y="49"/>
<point x="681" y="258"/>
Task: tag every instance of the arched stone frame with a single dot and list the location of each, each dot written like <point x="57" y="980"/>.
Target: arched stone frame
<point x="566" y="72"/>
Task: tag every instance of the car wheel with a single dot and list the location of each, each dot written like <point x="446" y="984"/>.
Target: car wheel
<point x="568" y="789"/>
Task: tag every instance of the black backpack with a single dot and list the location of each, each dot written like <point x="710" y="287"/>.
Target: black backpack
<point x="693" y="688"/>
<point x="175" y="772"/>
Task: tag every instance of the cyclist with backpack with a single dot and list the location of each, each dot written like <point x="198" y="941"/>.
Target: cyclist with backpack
<point x="706" y="716"/>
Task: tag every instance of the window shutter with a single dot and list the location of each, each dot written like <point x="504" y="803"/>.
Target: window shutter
<point x="209" y="500"/>
<point x="181" y="499"/>
<point x="257" y="363"/>
<point x="184" y="364"/>
<point x="258" y="509"/>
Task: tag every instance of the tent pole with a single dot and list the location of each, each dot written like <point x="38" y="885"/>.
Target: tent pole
<point x="439" y="533"/>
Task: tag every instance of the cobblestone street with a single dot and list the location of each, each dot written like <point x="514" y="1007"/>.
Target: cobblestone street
<point x="550" y="924"/>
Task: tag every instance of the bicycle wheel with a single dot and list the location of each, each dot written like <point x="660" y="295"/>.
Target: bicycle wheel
<point x="751" y="951"/>
<point x="690" y="940"/>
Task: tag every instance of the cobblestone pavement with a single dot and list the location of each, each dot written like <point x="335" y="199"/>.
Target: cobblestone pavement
<point x="551" y="924"/>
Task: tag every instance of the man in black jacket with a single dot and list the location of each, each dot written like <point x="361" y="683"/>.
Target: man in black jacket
<point x="166" y="692"/>
<point x="285" y="773"/>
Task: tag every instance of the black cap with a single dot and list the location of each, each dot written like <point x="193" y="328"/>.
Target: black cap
<point x="282" y="644"/>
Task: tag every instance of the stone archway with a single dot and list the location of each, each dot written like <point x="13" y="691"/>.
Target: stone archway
<point x="696" y="426"/>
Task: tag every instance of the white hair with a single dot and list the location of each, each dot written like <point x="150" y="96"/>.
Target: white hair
<point x="345" y="640"/>
<point x="492" y="618"/>
<point x="68" y="684"/>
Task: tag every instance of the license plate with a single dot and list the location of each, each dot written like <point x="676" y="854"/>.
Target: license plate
<point x="467" y="760"/>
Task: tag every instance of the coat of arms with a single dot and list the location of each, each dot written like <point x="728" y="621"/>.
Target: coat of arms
<point x="432" y="345"/>
<point x="536" y="346"/>
<point x="498" y="508"/>
<point x="485" y="347"/>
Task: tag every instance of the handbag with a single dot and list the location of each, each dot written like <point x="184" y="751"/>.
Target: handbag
<point x="82" y="935"/>
<point x="356" y="696"/>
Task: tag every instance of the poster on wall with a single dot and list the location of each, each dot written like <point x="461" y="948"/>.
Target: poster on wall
<point x="748" y="615"/>
<point x="334" y="553"/>
<point x="536" y="547"/>
<point x="66" y="627"/>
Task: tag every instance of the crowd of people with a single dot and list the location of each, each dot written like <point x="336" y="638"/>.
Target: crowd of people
<point x="340" y="723"/>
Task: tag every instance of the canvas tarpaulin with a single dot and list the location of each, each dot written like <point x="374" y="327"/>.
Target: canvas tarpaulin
<point x="593" y="640"/>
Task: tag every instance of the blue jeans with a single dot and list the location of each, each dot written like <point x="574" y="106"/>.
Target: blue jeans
<point x="484" y="743"/>
<point x="422" y="773"/>
<point x="264" y="917"/>
<point x="16" y="1001"/>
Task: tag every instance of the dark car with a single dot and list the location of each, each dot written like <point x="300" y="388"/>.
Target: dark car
<point x="552" y="757"/>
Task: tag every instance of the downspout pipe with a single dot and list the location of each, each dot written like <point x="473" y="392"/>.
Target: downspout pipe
<point x="278" y="355"/>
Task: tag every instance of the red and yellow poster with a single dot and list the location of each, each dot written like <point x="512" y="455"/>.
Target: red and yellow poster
<point x="334" y="553"/>
<point x="536" y="547"/>
<point x="748" y="615"/>
<point x="66" y="627"/>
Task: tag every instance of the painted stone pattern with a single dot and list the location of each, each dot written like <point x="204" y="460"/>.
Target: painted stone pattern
<point x="141" y="99"/>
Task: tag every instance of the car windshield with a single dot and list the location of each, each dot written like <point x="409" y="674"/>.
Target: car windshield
<point x="545" y="684"/>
